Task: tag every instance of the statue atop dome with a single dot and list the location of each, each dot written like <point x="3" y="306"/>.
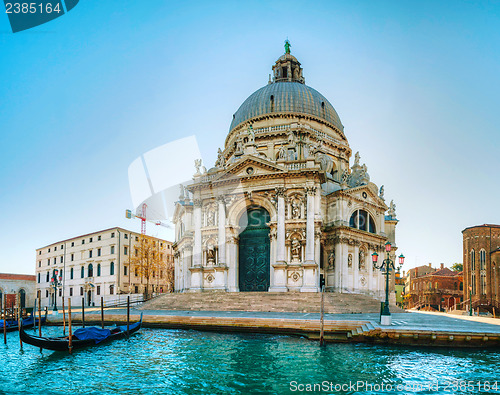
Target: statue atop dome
<point x="287" y="46"/>
<point x="287" y="67"/>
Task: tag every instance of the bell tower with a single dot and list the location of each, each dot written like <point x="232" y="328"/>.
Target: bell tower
<point x="287" y="67"/>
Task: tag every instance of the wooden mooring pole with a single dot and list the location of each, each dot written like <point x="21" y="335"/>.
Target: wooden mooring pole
<point x="39" y="316"/>
<point x="128" y="315"/>
<point x="19" y="318"/>
<point x="64" y="317"/>
<point x="5" y="320"/>
<point x="70" y="333"/>
<point x="102" y="312"/>
<point x="322" y="318"/>
<point x="83" y="312"/>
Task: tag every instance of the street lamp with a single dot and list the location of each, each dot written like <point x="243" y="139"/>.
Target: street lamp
<point x="386" y="266"/>
<point x="56" y="283"/>
<point x="470" y="299"/>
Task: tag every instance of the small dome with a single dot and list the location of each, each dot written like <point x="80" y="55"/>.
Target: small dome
<point x="286" y="97"/>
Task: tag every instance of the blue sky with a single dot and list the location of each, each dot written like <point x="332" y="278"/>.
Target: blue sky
<point x="415" y="83"/>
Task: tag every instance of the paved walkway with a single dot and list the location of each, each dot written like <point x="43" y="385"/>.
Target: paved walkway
<point x="411" y="321"/>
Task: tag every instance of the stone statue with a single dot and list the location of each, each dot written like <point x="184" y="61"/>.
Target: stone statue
<point x="356" y="159"/>
<point x="295" y="249"/>
<point x="331" y="260"/>
<point x="239" y="149"/>
<point x="291" y="140"/>
<point x="210" y="218"/>
<point x="349" y="260"/>
<point x="197" y="165"/>
<point x="295" y="209"/>
<point x="220" y="159"/>
<point x="392" y="209"/>
<point x="345" y="176"/>
<point x="211" y="254"/>
<point x="381" y="192"/>
<point x="361" y="265"/>
<point x="312" y="148"/>
<point x="181" y="194"/>
<point x="287" y="46"/>
<point x="281" y="153"/>
<point x="251" y="135"/>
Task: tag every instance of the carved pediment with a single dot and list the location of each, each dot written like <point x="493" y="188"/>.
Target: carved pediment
<point x="365" y="193"/>
<point x="248" y="166"/>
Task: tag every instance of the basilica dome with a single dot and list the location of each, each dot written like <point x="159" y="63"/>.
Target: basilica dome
<point x="286" y="97"/>
<point x="286" y="93"/>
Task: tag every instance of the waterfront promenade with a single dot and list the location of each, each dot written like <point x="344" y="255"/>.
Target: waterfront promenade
<point x="408" y="328"/>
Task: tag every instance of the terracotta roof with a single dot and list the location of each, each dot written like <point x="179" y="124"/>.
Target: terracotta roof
<point x="444" y="272"/>
<point x="11" y="276"/>
<point x="482" y="226"/>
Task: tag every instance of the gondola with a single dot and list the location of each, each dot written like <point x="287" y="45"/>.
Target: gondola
<point x="81" y="338"/>
<point x="12" y="325"/>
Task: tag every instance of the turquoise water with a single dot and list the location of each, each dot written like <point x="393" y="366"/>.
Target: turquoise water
<point x="157" y="361"/>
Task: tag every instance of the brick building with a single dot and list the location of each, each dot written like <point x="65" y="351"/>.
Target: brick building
<point x="481" y="249"/>
<point x="12" y="285"/>
<point x="438" y="289"/>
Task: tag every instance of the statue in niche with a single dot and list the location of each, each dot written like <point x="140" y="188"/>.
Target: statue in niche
<point x="361" y="264"/>
<point x="311" y="150"/>
<point x="296" y="249"/>
<point x="291" y="140"/>
<point x="331" y="260"/>
<point x="210" y="254"/>
<point x="281" y="153"/>
<point x="349" y="260"/>
<point x="210" y="218"/>
<point x="295" y="209"/>
<point x="238" y="147"/>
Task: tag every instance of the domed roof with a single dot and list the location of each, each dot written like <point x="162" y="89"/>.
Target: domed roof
<point x="286" y="97"/>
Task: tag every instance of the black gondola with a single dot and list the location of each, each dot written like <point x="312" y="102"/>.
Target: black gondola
<point x="12" y="325"/>
<point x="83" y="337"/>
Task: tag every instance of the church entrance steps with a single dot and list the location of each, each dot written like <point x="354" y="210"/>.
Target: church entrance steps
<point x="335" y="303"/>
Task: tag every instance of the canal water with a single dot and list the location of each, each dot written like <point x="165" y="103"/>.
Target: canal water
<point x="157" y="361"/>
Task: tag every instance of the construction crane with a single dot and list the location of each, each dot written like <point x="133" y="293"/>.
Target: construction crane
<point x="142" y="217"/>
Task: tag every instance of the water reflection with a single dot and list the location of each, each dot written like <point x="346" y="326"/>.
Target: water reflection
<point x="191" y="362"/>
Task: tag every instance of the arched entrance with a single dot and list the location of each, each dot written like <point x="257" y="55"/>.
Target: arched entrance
<point x="22" y="298"/>
<point x="254" y="251"/>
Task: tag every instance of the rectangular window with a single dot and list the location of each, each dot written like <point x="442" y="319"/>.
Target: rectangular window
<point x="72" y="244"/>
<point x="98" y="290"/>
<point x="55" y="248"/>
<point x="39" y="252"/>
<point x="48" y="277"/>
<point x="124" y="270"/>
<point x="62" y="246"/>
<point x="136" y="238"/>
<point x="112" y="249"/>
<point x="98" y="238"/>
<point x="55" y="260"/>
<point x="136" y="251"/>
<point x="60" y="292"/>
<point x="38" y="278"/>
<point x="98" y="252"/>
<point x="71" y="274"/>
<point x="90" y="254"/>
<point x="72" y="257"/>
<point x="49" y="249"/>
<point x="125" y="250"/>
<point x="61" y="259"/>
<point x="81" y="291"/>
<point x="39" y="263"/>
<point x="125" y="236"/>
<point x="111" y="289"/>
<point x="90" y="240"/>
<point x="46" y="293"/>
<point x="71" y="292"/>
<point x="112" y="234"/>
<point x="83" y="241"/>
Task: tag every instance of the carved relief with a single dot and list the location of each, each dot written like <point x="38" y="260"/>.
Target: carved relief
<point x="331" y="260"/>
<point x="349" y="261"/>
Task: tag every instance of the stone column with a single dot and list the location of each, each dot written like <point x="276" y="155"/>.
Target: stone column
<point x="232" y="279"/>
<point x="355" y="269"/>
<point x="197" y="253"/>
<point x="222" y="230"/>
<point x="280" y="248"/>
<point x="310" y="191"/>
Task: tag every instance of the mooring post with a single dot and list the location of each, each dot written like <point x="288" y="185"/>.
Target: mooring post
<point x="102" y="312"/>
<point x="64" y="318"/>
<point x="128" y="315"/>
<point x="70" y="333"/>
<point x="19" y="318"/>
<point x="494" y="313"/>
<point x="322" y="321"/>
<point x="39" y="316"/>
<point x="83" y="312"/>
<point x="5" y="320"/>
<point x="34" y="315"/>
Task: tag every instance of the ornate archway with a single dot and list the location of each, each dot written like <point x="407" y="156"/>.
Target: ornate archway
<point x="254" y="251"/>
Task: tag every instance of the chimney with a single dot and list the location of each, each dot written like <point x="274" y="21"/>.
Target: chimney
<point x="430" y="265"/>
<point x="442" y="265"/>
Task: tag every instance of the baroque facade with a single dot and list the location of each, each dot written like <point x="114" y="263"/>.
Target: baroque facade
<point x="282" y="208"/>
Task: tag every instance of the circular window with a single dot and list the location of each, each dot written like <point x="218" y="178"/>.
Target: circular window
<point x="250" y="170"/>
<point x="365" y="195"/>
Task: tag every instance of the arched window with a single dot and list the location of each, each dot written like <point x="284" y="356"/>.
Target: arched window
<point x="483" y="283"/>
<point x="112" y="268"/>
<point x="90" y="270"/>
<point x="473" y="283"/>
<point x="98" y="269"/>
<point x="482" y="259"/>
<point x="360" y="219"/>
<point x="473" y="260"/>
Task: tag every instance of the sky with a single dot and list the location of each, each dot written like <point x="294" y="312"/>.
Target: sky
<point x="415" y="83"/>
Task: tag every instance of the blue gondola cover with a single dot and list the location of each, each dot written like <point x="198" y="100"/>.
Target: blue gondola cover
<point x="96" y="334"/>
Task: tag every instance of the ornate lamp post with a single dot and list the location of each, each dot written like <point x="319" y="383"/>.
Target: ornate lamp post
<point x="56" y="283"/>
<point x="386" y="267"/>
